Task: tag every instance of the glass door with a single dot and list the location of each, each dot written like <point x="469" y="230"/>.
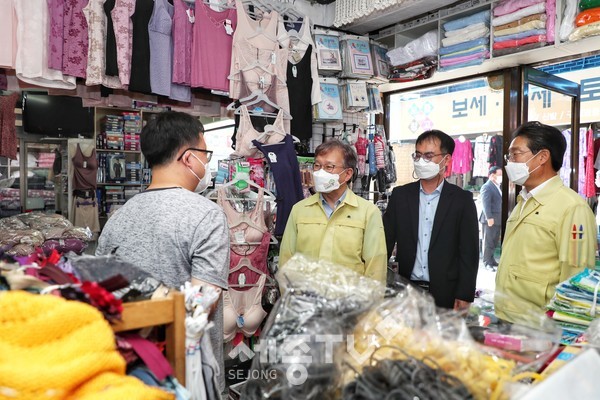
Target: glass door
<point x="43" y="170"/>
<point x="555" y="101"/>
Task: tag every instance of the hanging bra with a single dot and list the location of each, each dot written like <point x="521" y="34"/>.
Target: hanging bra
<point x="242" y="311"/>
<point x="240" y="274"/>
<point x="246" y="134"/>
<point x="244" y="227"/>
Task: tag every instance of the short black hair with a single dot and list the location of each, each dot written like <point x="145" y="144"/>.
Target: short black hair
<point x="348" y="152"/>
<point x="493" y="170"/>
<point x="446" y="142"/>
<point x="540" y="136"/>
<point x="166" y="133"/>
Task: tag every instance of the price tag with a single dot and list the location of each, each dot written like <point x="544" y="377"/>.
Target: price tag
<point x="228" y="27"/>
<point x="191" y="16"/>
<point x="239" y="237"/>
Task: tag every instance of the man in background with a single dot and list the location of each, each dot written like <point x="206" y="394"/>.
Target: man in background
<point x="433" y="225"/>
<point x="491" y="216"/>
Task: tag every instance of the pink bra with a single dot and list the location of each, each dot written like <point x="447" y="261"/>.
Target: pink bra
<point x="242" y="311"/>
<point x="240" y="274"/>
<point x="247" y="229"/>
<point x="246" y="134"/>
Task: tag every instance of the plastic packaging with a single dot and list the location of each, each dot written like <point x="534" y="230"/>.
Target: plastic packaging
<point x="426" y="45"/>
<point x="305" y="332"/>
<point x="568" y="20"/>
<point x="588" y="16"/>
<point x="409" y="327"/>
<point x="584" y="31"/>
<point x="586" y="4"/>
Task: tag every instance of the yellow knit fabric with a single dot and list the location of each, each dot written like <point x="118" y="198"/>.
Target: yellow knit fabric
<point x="51" y="348"/>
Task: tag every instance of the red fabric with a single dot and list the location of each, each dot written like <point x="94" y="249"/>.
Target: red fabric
<point x="519" y="42"/>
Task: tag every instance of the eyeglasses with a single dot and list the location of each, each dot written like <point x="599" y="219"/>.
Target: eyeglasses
<point x="416" y="156"/>
<point x="208" y="153"/>
<point x="511" y="156"/>
<point x="329" y="167"/>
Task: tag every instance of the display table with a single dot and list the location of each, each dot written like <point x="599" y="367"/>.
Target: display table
<point x="170" y="312"/>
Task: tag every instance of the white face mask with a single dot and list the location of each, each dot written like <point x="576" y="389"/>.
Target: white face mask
<point x="427" y="169"/>
<point x="518" y="173"/>
<point x="205" y="181"/>
<point x="499" y="181"/>
<point x="326" y="182"/>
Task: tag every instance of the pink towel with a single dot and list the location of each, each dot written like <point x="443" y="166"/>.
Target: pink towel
<point x="509" y="6"/>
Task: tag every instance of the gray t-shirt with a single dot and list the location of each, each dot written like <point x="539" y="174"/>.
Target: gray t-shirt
<point x="174" y="234"/>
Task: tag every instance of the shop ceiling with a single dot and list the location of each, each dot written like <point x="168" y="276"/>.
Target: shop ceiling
<point x="404" y="11"/>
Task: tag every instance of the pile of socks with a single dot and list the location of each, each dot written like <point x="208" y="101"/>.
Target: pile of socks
<point x="521" y="25"/>
<point x="466" y="41"/>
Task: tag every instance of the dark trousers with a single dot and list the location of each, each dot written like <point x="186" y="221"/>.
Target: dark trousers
<point x="491" y="238"/>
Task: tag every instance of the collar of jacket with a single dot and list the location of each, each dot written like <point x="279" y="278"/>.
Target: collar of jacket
<point x="351" y="199"/>
<point x="547" y="192"/>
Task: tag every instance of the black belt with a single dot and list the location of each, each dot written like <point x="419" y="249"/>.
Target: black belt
<point x="421" y="284"/>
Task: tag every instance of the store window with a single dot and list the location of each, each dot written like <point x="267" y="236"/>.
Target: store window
<point x="470" y="111"/>
<point x="218" y="139"/>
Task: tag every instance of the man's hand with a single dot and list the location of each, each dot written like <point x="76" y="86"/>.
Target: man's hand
<point x="490" y="221"/>
<point x="198" y="282"/>
<point x="461" y="305"/>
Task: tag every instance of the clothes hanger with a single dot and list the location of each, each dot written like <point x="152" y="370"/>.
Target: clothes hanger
<point x="246" y="263"/>
<point x="220" y="4"/>
<point x="242" y="177"/>
<point x="259" y="96"/>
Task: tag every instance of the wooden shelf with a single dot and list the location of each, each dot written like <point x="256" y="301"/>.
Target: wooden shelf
<point x="169" y="311"/>
<point x="120" y="184"/>
<point x="118" y="151"/>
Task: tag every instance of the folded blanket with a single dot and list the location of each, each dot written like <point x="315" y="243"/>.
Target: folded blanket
<point x="463" y="59"/>
<point x="524" y="12"/>
<point x="464" y="46"/>
<point x="463" y="65"/>
<point x="466" y="52"/>
<point x="534" y="17"/>
<point x="520" y="35"/>
<point x="512" y="50"/>
<point x="482" y="16"/>
<point x="520" y="42"/>
<point x="585" y="31"/>
<point x="475" y="34"/>
<point x="466" y="29"/>
<point x="521" y="28"/>
<point x="507" y="7"/>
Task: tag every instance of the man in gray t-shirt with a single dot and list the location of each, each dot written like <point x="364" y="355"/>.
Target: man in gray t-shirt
<point x="169" y="230"/>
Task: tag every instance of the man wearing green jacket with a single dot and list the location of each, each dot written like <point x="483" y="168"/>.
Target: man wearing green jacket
<point x="551" y="233"/>
<point x="335" y="224"/>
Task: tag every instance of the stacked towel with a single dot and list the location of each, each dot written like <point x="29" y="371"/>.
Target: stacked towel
<point x="466" y="41"/>
<point x="520" y="23"/>
<point x="575" y="304"/>
<point x="587" y="21"/>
